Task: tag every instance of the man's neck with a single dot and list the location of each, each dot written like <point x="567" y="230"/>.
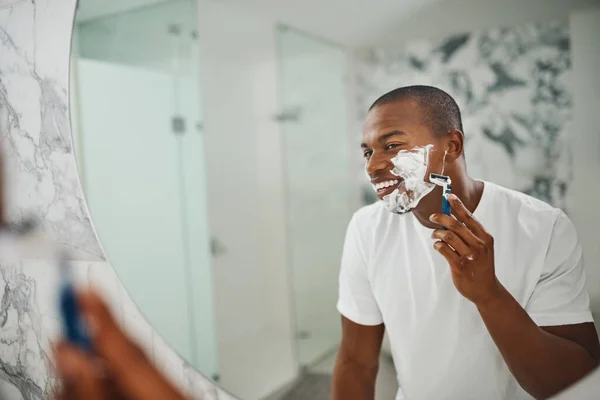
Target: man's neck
<point x="468" y="190"/>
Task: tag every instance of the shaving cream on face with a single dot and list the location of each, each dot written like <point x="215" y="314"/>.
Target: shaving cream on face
<point x="411" y="166"/>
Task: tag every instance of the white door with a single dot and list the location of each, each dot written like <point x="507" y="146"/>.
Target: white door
<point x="246" y="204"/>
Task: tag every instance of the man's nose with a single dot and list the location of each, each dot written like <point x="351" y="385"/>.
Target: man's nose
<point x="377" y="164"/>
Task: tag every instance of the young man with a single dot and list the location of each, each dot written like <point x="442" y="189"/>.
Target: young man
<point x="493" y="307"/>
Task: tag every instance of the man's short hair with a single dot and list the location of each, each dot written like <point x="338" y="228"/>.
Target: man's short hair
<point x="439" y="109"/>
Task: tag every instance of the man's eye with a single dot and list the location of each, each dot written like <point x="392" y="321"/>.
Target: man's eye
<point x="367" y="154"/>
<point x="392" y="146"/>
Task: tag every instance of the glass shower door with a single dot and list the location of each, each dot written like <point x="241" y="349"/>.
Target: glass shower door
<point x="193" y="196"/>
<point x="319" y="184"/>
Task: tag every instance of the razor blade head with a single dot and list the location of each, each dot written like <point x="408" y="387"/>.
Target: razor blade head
<point x="440" y="180"/>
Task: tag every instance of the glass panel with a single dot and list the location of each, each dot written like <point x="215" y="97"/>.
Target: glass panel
<point x="193" y="200"/>
<point x="141" y="37"/>
<point x="136" y="98"/>
<point x="317" y="162"/>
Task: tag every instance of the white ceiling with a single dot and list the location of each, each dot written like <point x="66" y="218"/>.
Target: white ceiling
<point x="349" y="22"/>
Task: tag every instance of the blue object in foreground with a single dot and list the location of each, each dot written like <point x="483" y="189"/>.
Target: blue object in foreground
<point x="446" y="183"/>
<point x="73" y="325"/>
<point x="446" y="209"/>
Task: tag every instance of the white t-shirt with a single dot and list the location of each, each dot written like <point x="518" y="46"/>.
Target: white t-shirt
<point x="391" y="274"/>
<point x="587" y="388"/>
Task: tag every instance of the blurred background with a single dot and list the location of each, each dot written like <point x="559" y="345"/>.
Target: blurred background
<point x="218" y="147"/>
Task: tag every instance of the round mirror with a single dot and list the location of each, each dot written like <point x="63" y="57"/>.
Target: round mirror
<point x="199" y="195"/>
<point x="220" y="147"/>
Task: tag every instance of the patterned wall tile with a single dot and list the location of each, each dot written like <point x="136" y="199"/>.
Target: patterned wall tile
<point x="36" y="135"/>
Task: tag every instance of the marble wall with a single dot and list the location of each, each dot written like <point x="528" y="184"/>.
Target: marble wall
<point x="42" y="181"/>
<point x="514" y="89"/>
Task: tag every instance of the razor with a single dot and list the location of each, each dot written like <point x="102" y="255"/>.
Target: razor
<point x="446" y="183"/>
<point x="72" y="320"/>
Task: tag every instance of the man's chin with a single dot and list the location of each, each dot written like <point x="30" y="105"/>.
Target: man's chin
<point x="403" y="212"/>
<point x="398" y="203"/>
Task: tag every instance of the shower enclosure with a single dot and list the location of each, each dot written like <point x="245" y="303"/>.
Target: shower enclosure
<point x="321" y="190"/>
<point x="136" y="116"/>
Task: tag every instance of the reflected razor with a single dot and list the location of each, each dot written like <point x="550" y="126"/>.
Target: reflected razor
<point x="72" y="321"/>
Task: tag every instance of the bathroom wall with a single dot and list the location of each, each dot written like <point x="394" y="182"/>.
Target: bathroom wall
<point x="42" y="179"/>
<point x="449" y="17"/>
<point x="240" y="89"/>
<point x="251" y="88"/>
<point x="320" y="189"/>
<point x="527" y="93"/>
<point x="585" y="143"/>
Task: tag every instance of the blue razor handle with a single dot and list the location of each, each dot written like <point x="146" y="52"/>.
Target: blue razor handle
<point x="73" y="326"/>
<point x="445" y="182"/>
<point x="72" y="323"/>
<point x="446" y="209"/>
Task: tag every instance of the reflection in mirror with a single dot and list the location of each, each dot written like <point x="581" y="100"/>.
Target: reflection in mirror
<point x="242" y="185"/>
<point x="136" y="117"/>
<point x="317" y="108"/>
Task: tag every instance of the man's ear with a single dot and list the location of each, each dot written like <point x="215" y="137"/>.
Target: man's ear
<point x="455" y="141"/>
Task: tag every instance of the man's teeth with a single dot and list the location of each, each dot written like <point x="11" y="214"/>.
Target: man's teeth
<point x="383" y="185"/>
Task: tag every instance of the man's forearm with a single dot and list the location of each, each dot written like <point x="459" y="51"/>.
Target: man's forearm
<point x="542" y="363"/>
<point x="351" y="382"/>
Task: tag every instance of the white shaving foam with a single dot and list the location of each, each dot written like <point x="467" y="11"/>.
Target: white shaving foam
<point x="411" y="166"/>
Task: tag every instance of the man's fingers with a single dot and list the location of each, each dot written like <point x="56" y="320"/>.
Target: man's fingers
<point x="80" y="375"/>
<point x="450" y="255"/>
<point x="463" y="215"/>
<point x="451" y="238"/>
<point x="126" y="363"/>
<point x="464" y="224"/>
<point x="109" y="340"/>
<point x="454" y="225"/>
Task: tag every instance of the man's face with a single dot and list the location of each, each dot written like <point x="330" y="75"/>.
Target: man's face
<point x="400" y="152"/>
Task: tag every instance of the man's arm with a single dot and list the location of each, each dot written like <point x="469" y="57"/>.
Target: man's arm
<point x="362" y="323"/>
<point x="357" y="361"/>
<point x="543" y="360"/>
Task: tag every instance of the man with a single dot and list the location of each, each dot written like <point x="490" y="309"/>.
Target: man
<point x="493" y="307"/>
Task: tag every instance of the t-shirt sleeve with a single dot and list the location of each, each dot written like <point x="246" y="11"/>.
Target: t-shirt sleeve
<point x="356" y="301"/>
<point x="560" y="297"/>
